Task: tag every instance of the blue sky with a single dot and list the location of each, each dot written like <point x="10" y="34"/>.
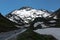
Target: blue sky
<point x="7" y="6"/>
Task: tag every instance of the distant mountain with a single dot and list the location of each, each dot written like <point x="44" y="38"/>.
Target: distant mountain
<point x="6" y="24"/>
<point x="34" y="16"/>
<point x="26" y="14"/>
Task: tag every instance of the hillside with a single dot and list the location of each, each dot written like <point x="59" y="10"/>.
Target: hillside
<point x="6" y="25"/>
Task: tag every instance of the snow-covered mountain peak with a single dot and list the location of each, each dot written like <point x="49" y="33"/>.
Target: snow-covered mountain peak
<point x="27" y="14"/>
